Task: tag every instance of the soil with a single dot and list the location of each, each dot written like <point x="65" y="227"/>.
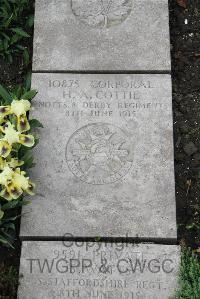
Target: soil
<point x="185" y="50"/>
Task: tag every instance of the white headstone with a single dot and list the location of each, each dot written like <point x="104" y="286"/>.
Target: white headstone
<point x="104" y="164"/>
<point x="98" y="271"/>
<point x="103" y="35"/>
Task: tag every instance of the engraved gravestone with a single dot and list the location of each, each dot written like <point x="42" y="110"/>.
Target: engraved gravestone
<point x="101" y="35"/>
<point x="103" y="13"/>
<point x="104" y="164"/>
<point x="99" y="154"/>
<point x="98" y="270"/>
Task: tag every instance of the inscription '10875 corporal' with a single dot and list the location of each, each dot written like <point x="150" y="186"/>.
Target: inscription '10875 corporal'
<point x="99" y="154"/>
<point x="101" y="13"/>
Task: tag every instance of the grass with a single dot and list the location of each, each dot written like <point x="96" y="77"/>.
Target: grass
<point x="189" y="279"/>
<point x="8" y="282"/>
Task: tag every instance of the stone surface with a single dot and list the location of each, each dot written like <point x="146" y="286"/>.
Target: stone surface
<point x="105" y="158"/>
<point x="101" y="35"/>
<point x="98" y="271"/>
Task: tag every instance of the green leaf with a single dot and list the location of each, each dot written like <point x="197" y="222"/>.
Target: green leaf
<point x="37" y="140"/>
<point x="10" y="205"/>
<point x="25" y="202"/>
<point x="10" y="59"/>
<point x="5" y="241"/>
<point x="26" y="57"/>
<point x="7" y="23"/>
<point x="29" y="94"/>
<point x="17" y="91"/>
<point x="27" y="81"/>
<point x="10" y="226"/>
<point x="34" y="123"/>
<point x="5" y="44"/>
<point x="14" y="204"/>
<point x="19" y="47"/>
<point x="5" y="95"/>
<point x="28" y="160"/>
<point x="1" y="214"/>
<point x="12" y="218"/>
<point x="20" y="32"/>
<point x="14" y="39"/>
<point x="5" y="35"/>
<point x="30" y="21"/>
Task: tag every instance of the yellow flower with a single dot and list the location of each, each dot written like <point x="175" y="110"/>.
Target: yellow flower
<point x="2" y="120"/>
<point x="19" y="108"/>
<point x="11" y="192"/>
<point x="19" y="180"/>
<point x="14" y="183"/>
<point x="26" y="140"/>
<point x="22" y="123"/>
<point x="12" y="136"/>
<point x="13" y="163"/>
<point x="31" y="188"/>
<point x="4" y="111"/>
<point x="2" y="163"/>
<point x="6" y="175"/>
<point x="5" y="148"/>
